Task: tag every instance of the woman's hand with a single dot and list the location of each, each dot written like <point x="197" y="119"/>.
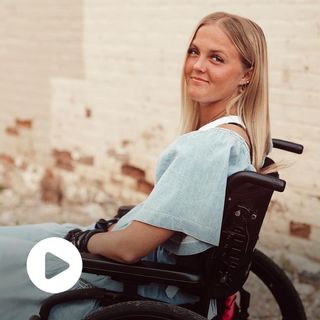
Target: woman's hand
<point x="80" y="238"/>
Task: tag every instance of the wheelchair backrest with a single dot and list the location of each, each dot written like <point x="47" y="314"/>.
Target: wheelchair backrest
<point x="247" y="198"/>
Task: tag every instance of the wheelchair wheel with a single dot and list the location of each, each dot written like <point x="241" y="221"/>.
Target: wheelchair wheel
<point x="273" y="295"/>
<point x="144" y="310"/>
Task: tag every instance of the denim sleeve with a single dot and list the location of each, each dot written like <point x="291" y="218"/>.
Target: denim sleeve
<point x="189" y="193"/>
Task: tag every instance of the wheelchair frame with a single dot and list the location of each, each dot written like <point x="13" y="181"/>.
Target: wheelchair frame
<point x="223" y="270"/>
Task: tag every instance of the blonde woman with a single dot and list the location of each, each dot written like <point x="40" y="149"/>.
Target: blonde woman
<point x="225" y="124"/>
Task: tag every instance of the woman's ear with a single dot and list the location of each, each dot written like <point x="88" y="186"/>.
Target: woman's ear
<point x="246" y="77"/>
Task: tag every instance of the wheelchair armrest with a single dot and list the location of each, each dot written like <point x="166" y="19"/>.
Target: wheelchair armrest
<point x="141" y="272"/>
<point x="287" y="146"/>
<point x="266" y="181"/>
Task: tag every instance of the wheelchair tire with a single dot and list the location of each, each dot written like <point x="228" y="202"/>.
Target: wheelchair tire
<point x="280" y="286"/>
<point x="144" y="310"/>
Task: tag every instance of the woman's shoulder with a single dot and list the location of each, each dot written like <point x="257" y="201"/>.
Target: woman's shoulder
<point x="216" y="145"/>
<point x="211" y="140"/>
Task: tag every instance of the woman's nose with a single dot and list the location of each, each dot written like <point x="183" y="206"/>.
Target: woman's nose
<point x="200" y="64"/>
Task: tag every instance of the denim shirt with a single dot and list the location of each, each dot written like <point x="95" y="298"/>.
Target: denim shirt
<point x="190" y="186"/>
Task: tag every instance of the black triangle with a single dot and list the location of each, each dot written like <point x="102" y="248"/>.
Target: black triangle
<point x="53" y="259"/>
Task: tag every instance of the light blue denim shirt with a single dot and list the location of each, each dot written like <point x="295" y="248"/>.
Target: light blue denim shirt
<point x="189" y="192"/>
<point x="188" y="197"/>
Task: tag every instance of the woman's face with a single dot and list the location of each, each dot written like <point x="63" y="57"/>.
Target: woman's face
<point x="213" y="70"/>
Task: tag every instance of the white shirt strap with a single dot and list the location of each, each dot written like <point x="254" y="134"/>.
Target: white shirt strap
<point x="220" y="121"/>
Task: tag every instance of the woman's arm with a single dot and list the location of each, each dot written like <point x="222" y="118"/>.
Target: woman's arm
<point x="129" y="245"/>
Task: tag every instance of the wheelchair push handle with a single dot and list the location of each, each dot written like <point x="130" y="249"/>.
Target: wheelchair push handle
<point x="255" y="178"/>
<point x="287" y="146"/>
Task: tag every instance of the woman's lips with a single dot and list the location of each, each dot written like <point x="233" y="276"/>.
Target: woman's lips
<point x="199" y="80"/>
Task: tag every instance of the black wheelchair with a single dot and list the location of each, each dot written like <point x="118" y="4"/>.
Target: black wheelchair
<point x="219" y="273"/>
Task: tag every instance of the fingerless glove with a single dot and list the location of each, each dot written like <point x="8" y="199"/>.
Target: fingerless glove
<point x="81" y="238"/>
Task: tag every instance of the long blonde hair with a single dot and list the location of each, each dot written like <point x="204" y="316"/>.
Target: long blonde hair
<point x="252" y="102"/>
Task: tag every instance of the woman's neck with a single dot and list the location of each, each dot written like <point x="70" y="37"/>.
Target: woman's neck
<point x="208" y="114"/>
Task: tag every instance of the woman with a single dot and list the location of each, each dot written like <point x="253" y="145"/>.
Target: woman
<point x="225" y="122"/>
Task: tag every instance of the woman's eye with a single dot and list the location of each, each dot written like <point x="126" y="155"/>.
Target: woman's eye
<point x="217" y="58"/>
<point x="192" y="51"/>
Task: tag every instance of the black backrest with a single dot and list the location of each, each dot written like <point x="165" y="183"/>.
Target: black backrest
<point x="248" y="195"/>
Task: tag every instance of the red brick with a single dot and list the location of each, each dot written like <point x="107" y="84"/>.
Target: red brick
<point x="132" y="171"/>
<point x="88" y="113"/>
<point x="63" y="159"/>
<point x="13" y="131"/>
<point x="144" y="186"/>
<point x="51" y="188"/>
<point x="24" y="123"/>
<point x="300" y="230"/>
<point x="6" y="159"/>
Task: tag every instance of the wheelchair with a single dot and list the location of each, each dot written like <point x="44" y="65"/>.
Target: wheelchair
<point x="220" y="273"/>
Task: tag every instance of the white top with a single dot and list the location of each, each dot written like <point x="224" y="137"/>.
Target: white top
<point x="222" y="120"/>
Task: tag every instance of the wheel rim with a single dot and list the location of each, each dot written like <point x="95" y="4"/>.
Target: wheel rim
<point x="273" y="295"/>
<point x="262" y="303"/>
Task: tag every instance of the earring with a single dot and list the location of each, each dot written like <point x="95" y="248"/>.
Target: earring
<point x="244" y="85"/>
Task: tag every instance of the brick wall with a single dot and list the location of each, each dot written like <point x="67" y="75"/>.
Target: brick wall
<point x="40" y="40"/>
<point x="96" y="83"/>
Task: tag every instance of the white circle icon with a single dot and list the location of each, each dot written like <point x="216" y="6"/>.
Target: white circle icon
<point x="54" y="265"/>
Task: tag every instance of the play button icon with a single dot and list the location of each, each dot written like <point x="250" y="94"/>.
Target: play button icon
<point x="51" y="257"/>
<point x="54" y="265"/>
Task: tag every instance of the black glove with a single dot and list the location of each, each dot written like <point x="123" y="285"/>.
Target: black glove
<point x="104" y="225"/>
<point x="81" y="238"/>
